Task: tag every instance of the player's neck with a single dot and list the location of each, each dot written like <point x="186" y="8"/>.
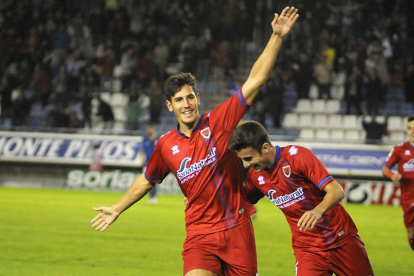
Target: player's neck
<point x="188" y="128"/>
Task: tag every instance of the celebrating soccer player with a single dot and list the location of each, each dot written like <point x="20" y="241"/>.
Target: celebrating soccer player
<point x="324" y="237"/>
<point x="403" y="155"/>
<point x="220" y="239"/>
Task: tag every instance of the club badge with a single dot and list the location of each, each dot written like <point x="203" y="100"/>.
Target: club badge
<point x="286" y="170"/>
<point x="205" y="132"/>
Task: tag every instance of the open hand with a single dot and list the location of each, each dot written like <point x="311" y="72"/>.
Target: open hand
<point x="282" y="24"/>
<point x="103" y="219"/>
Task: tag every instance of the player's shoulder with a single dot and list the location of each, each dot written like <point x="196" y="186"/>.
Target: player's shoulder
<point x="402" y="146"/>
<point x="294" y="150"/>
<point x="165" y="137"/>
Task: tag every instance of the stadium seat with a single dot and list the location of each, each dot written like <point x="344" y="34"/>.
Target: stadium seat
<point x="290" y="120"/>
<point x="397" y="136"/>
<point x="303" y="106"/>
<point x="305" y="120"/>
<point x="119" y="114"/>
<point x="320" y="120"/>
<point x="352" y="135"/>
<point x="306" y="134"/>
<point x="351" y="122"/>
<point x="106" y="96"/>
<point x="333" y="106"/>
<point x="318" y="106"/>
<point x="335" y="121"/>
<point x="313" y="91"/>
<point x="119" y="99"/>
<point x="406" y="109"/>
<point x="322" y="134"/>
<point x="395" y="123"/>
<point x="337" y="135"/>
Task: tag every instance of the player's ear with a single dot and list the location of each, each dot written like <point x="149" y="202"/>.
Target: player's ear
<point x="169" y="105"/>
<point x="265" y="148"/>
<point x="198" y="99"/>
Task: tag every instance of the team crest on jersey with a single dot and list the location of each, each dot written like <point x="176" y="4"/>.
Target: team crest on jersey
<point x="286" y="170"/>
<point x="407" y="152"/>
<point x="205" y="132"/>
<point x="175" y="149"/>
<point x="261" y="180"/>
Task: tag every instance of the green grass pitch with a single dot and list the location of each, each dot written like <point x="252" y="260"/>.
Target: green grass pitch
<point x="48" y="232"/>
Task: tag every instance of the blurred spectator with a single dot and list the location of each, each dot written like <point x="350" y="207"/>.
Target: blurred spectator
<point x="274" y="90"/>
<point x="374" y="129"/>
<point x="156" y="98"/>
<point x="372" y="85"/>
<point x="322" y="74"/>
<point x="86" y="105"/>
<point x="43" y="84"/>
<point x="302" y="76"/>
<point x="105" y="112"/>
<point x="132" y="112"/>
<point x="20" y="108"/>
<point x="6" y="98"/>
<point x="108" y="63"/>
<point x="127" y="65"/>
<point x="161" y="55"/>
<point x="409" y="84"/>
<point x="353" y="91"/>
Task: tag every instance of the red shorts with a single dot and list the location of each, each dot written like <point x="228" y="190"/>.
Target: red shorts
<point x="351" y="259"/>
<point x="229" y="252"/>
<point x="408" y="209"/>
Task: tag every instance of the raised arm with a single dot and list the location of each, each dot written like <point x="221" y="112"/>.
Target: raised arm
<point x="334" y="194"/>
<point x="260" y="72"/>
<point x="139" y="188"/>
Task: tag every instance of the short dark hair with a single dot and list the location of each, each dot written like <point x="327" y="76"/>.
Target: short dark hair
<point x="410" y="118"/>
<point x="250" y="134"/>
<point x="175" y="82"/>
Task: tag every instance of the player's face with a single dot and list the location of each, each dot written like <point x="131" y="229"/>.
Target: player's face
<point x="185" y="106"/>
<point x="410" y="131"/>
<point x="252" y="158"/>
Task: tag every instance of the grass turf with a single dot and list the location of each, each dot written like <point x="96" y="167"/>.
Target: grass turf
<point x="48" y="232"/>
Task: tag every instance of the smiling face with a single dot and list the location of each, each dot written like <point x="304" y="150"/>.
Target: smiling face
<point x="185" y="104"/>
<point x="410" y="131"/>
<point x="258" y="161"/>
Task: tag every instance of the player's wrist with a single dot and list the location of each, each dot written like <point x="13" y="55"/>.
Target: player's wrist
<point x="390" y="174"/>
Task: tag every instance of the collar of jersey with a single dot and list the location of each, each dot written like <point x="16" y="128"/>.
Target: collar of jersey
<point x="194" y="129"/>
<point x="276" y="156"/>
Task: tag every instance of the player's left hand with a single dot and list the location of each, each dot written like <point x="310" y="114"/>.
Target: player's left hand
<point x="282" y="24"/>
<point x="309" y="220"/>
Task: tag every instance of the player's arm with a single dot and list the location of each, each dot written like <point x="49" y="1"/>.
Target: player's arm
<point x="260" y="72"/>
<point x="395" y="177"/>
<point x="139" y="188"/>
<point x="334" y="194"/>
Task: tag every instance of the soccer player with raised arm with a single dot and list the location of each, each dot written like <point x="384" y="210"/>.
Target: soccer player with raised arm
<point x="403" y="156"/>
<point x="220" y="239"/>
<point x="324" y="237"/>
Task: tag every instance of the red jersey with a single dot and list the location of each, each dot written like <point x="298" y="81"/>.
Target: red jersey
<point x="403" y="154"/>
<point x="294" y="183"/>
<point x="208" y="173"/>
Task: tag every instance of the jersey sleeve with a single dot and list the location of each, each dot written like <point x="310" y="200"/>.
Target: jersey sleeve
<point x="393" y="157"/>
<point x="156" y="169"/>
<point x="252" y="192"/>
<point x="229" y="113"/>
<point x="311" y="167"/>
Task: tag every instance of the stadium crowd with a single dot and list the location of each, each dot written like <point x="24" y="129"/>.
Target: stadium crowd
<point x="61" y="54"/>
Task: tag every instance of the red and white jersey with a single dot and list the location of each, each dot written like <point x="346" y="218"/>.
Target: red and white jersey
<point x="403" y="155"/>
<point x="294" y="183"/>
<point x="208" y="173"/>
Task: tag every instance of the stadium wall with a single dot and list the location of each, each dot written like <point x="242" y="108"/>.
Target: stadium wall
<point x="47" y="160"/>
